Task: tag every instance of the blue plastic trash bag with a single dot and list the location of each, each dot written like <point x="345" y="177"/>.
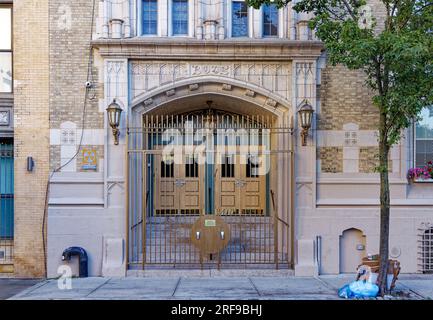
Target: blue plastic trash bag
<point x="358" y="289"/>
<point x="345" y="292"/>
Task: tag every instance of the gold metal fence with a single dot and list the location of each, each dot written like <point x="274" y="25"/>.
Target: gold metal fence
<point x="209" y="163"/>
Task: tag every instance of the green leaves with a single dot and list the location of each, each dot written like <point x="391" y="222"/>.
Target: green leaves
<point x="396" y="54"/>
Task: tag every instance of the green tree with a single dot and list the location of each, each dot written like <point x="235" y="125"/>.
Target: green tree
<point x="395" y="51"/>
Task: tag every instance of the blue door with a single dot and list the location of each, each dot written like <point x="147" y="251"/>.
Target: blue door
<point x="6" y="191"/>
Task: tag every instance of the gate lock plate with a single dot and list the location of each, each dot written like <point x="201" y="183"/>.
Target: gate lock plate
<point x="210" y="234"/>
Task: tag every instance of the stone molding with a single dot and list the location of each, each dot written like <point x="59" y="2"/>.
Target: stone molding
<point x="189" y="49"/>
<point x="274" y="77"/>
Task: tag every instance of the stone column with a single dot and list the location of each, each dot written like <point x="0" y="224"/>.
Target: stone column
<point x="126" y="18"/>
<point x="257" y="23"/>
<point x="106" y="23"/>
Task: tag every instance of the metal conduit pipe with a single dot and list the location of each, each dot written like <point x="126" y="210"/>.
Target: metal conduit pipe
<point x="82" y="259"/>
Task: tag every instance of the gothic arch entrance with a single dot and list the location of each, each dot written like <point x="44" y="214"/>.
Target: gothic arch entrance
<point x="209" y="185"/>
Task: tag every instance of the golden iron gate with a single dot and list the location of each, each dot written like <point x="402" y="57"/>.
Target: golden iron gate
<point x="228" y="170"/>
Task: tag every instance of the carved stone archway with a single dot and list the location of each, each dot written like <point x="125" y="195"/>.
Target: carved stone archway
<point x="258" y="99"/>
<point x="231" y="96"/>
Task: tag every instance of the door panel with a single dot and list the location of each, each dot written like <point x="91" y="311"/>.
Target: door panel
<point x="236" y="189"/>
<point x="180" y="187"/>
<point x="253" y="199"/>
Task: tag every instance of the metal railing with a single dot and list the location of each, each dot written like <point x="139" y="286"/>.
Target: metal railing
<point x="166" y="198"/>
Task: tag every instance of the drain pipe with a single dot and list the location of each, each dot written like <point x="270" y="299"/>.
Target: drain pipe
<point x="319" y="253"/>
<point x="82" y="259"/>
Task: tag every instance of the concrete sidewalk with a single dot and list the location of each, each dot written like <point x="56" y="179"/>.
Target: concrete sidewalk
<point x="217" y="287"/>
<point x="10" y="287"/>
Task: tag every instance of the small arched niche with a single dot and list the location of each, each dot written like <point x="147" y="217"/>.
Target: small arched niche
<point x="352" y="249"/>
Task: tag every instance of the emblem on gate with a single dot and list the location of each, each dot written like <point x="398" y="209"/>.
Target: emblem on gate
<point x="210" y="234"/>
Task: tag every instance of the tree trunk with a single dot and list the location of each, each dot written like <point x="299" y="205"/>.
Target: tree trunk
<point x="384" y="206"/>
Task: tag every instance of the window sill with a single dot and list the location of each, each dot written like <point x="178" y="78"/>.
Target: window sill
<point x="422" y="181"/>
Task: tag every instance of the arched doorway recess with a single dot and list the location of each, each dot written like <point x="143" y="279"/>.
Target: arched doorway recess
<point x="200" y="151"/>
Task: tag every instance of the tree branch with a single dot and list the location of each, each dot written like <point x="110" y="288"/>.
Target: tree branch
<point x="423" y="7"/>
<point x="334" y="14"/>
<point x="349" y="9"/>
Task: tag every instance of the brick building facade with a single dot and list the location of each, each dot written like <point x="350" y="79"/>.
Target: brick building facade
<point x="321" y="203"/>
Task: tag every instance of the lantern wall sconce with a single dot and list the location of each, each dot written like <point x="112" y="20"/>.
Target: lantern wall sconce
<point x="114" y="112"/>
<point x="305" y="119"/>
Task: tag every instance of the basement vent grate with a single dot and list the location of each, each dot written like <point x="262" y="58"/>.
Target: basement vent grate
<point x="426" y="250"/>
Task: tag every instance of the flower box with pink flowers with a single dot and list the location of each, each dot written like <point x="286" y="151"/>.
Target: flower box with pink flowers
<point x="424" y="174"/>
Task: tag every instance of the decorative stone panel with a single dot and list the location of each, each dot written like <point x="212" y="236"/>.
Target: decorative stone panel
<point x="331" y="159"/>
<point x="147" y="76"/>
<point x="369" y="160"/>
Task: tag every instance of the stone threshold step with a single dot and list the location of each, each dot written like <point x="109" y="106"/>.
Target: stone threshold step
<point x="209" y="273"/>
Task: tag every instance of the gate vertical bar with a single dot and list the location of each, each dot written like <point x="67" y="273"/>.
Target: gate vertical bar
<point x="127" y="181"/>
<point x="143" y="156"/>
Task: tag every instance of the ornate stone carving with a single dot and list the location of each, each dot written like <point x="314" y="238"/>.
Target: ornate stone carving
<point x="200" y="69"/>
<point x="148" y="102"/>
<point x="250" y="93"/>
<point x="170" y="93"/>
<point x="193" y="87"/>
<point x="115" y="67"/>
<point x="273" y="77"/>
<point x="272" y="103"/>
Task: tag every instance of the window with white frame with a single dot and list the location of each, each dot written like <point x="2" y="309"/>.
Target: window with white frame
<point x="424" y="138"/>
<point x="149" y="17"/>
<point x="6" y="48"/>
<point x="270" y="20"/>
<point x="427" y="251"/>
<point x="179" y="17"/>
<point x="239" y="19"/>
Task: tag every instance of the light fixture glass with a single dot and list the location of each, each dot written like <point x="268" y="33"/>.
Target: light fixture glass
<point x="305" y="119"/>
<point x="114" y="112"/>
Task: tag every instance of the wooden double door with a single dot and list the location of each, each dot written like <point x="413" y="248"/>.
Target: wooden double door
<point x="230" y="184"/>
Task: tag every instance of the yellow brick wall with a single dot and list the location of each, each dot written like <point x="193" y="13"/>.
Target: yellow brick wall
<point x="31" y="137"/>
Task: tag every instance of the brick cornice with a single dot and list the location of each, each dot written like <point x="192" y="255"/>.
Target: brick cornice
<point x="187" y="48"/>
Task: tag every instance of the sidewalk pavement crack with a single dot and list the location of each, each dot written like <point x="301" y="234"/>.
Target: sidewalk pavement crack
<point x="28" y="291"/>
<point x="413" y="291"/>
<point x="254" y="286"/>
<point x="175" y="288"/>
<point x="98" y="287"/>
<point x="326" y="284"/>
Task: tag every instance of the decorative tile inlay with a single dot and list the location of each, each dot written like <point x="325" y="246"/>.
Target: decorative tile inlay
<point x="350" y="138"/>
<point x="4" y="118"/>
<point x="68" y="137"/>
<point x="89" y="159"/>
